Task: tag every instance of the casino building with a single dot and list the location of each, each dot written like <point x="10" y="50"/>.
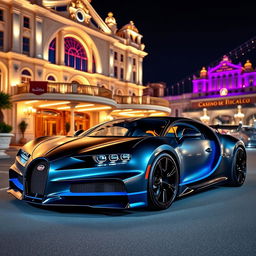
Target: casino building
<point x="66" y="66"/>
<point x="224" y="94"/>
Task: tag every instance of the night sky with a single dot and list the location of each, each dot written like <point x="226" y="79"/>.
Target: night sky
<point x="182" y="38"/>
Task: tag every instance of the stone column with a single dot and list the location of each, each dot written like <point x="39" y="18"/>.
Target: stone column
<point x="60" y="44"/>
<point x="111" y="62"/>
<point x="72" y="118"/>
<point x="39" y="38"/>
<point x="140" y="71"/>
<point x="16" y="31"/>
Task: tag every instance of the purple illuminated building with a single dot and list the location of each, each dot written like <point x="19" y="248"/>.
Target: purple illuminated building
<point x="225" y="75"/>
<point x="224" y="94"/>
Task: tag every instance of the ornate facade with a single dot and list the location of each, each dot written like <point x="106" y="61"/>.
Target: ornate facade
<point x="63" y="65"/>
<point x="225" y="75"/>
<point x="224" y="94"/>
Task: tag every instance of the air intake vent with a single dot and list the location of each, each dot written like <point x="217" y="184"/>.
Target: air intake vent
<point x="99" y="186"/>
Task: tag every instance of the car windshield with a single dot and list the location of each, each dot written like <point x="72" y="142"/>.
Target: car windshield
<point x="130" y="128"/>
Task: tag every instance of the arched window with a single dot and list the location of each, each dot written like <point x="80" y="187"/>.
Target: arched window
<point x="93" y="64"/>
<point x="75" y="55"/>
<point x="230" y="81"/>
<point x="119" y="93"/>
<point x="52" y="51"/>
<point x="243" y="85"/>
<point x="51" y="78"/>
<point x="25" y="76"/>
<point x="251" y="80"/>
<point x="213" y="83"/>
<point x="224" y="81"/>
<point x="218" y="83"/>
<point x="236" y="81"/>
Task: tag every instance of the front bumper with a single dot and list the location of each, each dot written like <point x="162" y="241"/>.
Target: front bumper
<point x="106" y="188"/>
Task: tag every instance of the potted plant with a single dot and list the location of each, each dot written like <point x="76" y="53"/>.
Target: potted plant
<point x="23" y="126"/>
<point x="5" y="129"/>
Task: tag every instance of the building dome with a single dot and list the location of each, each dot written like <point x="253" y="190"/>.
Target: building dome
<point x="248" y="66"/>
<point x="130" y="26"/>
<point x="203" y="73"/>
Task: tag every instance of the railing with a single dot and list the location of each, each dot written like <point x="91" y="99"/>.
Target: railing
<point x="147" y="100"/>
<point x="69" y="89"/>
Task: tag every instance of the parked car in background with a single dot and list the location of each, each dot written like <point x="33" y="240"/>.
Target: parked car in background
<point x="248" y="135"/>
<point x="245" y="133"/>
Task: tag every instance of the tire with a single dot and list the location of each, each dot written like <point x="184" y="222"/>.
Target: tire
<point x="163" y="182"/>
<point x="238" y="171"/>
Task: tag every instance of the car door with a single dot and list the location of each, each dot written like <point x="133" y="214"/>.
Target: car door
<point x="196" y="153"/>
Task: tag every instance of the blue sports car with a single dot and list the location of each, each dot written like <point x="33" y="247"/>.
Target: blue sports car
<point x="127" y="163"/>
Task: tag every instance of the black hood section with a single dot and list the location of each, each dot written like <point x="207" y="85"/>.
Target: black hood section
<point x="56" y="147"/>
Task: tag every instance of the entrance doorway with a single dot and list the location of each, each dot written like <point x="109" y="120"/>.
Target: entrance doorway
<point x="50" y="127"/>
<point x="48" y="123"/>
<point x="52" y="122"/>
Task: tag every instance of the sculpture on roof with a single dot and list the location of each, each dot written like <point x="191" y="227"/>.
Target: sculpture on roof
<point x="111" y="22"/>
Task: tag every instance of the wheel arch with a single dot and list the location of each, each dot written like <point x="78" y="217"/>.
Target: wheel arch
<point x="169" y="150"/>
<point x="239" y="144"/>
<point x="174" y="156"/>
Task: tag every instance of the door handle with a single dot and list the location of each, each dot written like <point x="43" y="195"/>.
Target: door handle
<point x="209" y="150"/>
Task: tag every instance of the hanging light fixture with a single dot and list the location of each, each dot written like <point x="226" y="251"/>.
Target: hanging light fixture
<point x="239" y="116"/>
<point x="205" y="118"/>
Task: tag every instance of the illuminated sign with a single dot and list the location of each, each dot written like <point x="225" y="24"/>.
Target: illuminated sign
<point x="38" y="87"/>
<point x="223" y="102"/>
<point x="224" y="68"/>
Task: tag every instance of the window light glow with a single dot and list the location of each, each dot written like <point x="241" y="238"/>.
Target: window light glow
<point x="31" y="101"/>
<point x="79" y="106"/>
<point x="54" y="104"/>
<point x="92" y="109"/>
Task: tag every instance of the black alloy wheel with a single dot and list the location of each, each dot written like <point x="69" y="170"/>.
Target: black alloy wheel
<point x="238" y="172"/>
<point x="163" y="182"/>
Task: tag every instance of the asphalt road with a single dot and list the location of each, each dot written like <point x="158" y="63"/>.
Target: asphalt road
<point x="219" y="221"/>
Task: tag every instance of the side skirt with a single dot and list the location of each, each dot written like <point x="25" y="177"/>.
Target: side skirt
<point x="192" y="188"/>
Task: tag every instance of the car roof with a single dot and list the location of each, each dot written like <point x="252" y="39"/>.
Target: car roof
<point x="172" y="119"/>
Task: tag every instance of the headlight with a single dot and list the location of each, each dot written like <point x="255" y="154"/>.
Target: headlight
<point x="125" y="157"/>
<point x="112" y="159"/>
<point x="100" y="159"/>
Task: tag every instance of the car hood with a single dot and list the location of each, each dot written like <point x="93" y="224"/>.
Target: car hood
<point x="55" y="147"/>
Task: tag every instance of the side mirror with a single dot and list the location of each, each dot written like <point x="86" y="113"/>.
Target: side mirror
<point x="77" y="133"/>
<point x="191" y="133"/>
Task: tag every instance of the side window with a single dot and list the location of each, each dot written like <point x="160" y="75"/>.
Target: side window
<point x="178" y="130"/>
<point x="172" y="131"/>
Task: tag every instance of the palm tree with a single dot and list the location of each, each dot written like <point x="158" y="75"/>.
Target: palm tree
<point x="5" y="103"/>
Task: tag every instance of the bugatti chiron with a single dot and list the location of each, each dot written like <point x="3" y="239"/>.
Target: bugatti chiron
<point x="127" y="163"/>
